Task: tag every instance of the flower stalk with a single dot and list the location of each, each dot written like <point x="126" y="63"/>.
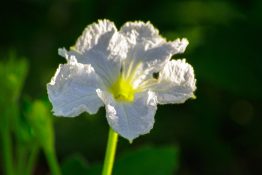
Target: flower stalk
<point x="110" y="152"/>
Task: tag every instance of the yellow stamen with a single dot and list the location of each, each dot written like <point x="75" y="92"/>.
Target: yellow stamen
<point x="123" y="90"/>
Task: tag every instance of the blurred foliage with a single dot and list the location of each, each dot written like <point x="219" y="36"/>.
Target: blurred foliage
<point x="41" y="122"/>
<point x="148" y="160"/>
<point x="12" y="77"/>
<point x="218" y="133"/>
<point x="75" y="164"/>
<point x="22" y="131"/>
<point x="143" y="161"/>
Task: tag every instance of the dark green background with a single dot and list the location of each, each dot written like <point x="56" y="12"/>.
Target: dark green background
<point x="218" y="133"/>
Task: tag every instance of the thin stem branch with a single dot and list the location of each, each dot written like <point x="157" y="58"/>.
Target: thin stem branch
<point x="52" y="162"/>
<point x="110" y="152"/>
<point x="21" y="155"/>
<point x="7" y="151"/>
<point x="32" y="160"/>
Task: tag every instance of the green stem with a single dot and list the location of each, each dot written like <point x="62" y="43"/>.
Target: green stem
<point x="52" y="162"/>
<point x="7" y="151"/>
<point x="32" y="160"/>
<point x="21" y="155"/>
<point x="110" y="152"/>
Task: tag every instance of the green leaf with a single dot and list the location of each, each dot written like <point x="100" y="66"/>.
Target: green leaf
<point x="144" y="161"/>
<point x="75" y="164"/>
<point x="148" y="160"/>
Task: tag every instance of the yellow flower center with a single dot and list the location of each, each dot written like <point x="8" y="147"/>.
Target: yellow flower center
<point x="123" y="90"/>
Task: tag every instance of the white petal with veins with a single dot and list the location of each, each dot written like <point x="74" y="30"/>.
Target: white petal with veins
<point x="140" y="32"/>
<point x="92" y="34"/>
<point x="101" y="46"/>
<point x="148" y="48"/>
<point x="130" y="120"/>
<point x="73" y="90"/>
<point x="176" y="83"/>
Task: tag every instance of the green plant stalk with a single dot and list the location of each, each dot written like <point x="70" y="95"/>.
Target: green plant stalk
<point x="32" y="160"/>
<point x="110" y="152"/>
<point x="52" y="162"/>
<point x="7" y="151"/>
<point x="21" y="155"/>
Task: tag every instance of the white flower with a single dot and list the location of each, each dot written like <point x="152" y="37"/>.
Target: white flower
<point x="128" y="71"/>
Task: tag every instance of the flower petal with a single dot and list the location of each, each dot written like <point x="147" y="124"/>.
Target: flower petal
<point x="140" y="32"/>
<point x="73" y="90"/>
<point x="130" y="119"/>
<point x="176" y="83"/>
<point x="101" y="46"/>
<point x="155" y="58"/>
<point x="92" y="34"/>
<point x="146" y="46"/>
<point x="145" y="33"/>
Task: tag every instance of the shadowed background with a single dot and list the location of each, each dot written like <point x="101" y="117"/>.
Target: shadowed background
<point x="218" y="133"/>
